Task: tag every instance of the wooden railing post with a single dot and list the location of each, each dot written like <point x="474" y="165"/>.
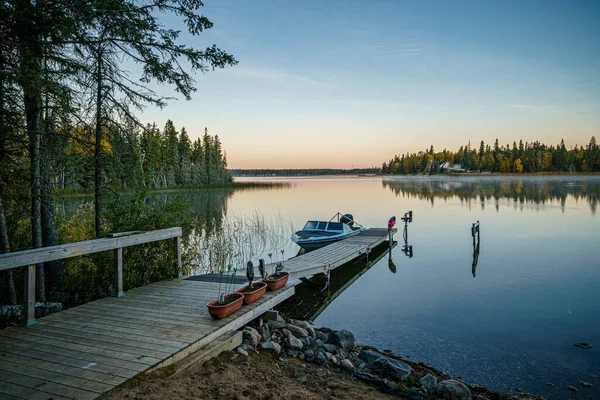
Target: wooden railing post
<point x="29" y="296"/>
<point x="177" y="249"/>
<point x="118" y="289"/>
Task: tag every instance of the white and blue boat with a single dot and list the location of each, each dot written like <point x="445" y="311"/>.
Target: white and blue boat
<point x="317" y="234"/>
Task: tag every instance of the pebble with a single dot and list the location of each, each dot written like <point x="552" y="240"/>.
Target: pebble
<point x="347" y="363"/>
<point x="241" y="351"/>
<point x="303" y="379"/>
<point x="586" y="384"/>
<point x="572" y="389"/>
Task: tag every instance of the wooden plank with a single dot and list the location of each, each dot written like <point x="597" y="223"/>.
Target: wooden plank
<point x="70" y="361"/>
<point x="45" y="386"/>
<point x="89" y="357"/>
<point x="98" y="337"/>
<point x="133" y="353"/>
<point x="80" y="347"/>
<point x="11" y="391"/>
<point x="29" y="295"/>
<point x="118" y="289"/>
<point x="106" y="379"/>
<point x="52" y="253"/>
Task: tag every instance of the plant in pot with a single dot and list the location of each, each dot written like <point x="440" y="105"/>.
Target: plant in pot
<point x="278" y="278"/>
<point x="227" y="302"/>
<point x="253" y="290"/>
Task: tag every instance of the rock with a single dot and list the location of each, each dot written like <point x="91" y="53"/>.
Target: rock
<point x="329" y="348"/>
<point x="241" y="351"/>
<point x="309" y="353"/>
<point x="303" y="379"/>
<point x="572" y="389"/>
<point x="265" y="332"/>
<point x="305" y="325"/>
<point x="334" y="360"/>
<point x="550" y="384"/>
<point x="251" y="336"/>
<point x="347" y="363"/>
<point x="328" y="356"/>
<point x="586" y="384"/>
<point x="286" y="332"/>
<point x="322" y="336"/>
<point x="297" y="331"/>
<point x="321" y="358"/>
<point x="293" y="343"/>
<point x="584" y="345"/>
<point x="270" y="345"/>
<point x="308" y="342"/>
<point x="291" y="353"/>
<point x="428" y="382"/>
<point x="343" y="339"/>
<point x="480" y="397"/>
<point x="391" y="368"/>
<point x="369" y="356"/>
<point x="452" y="390"/>
<point x="246" y="346"/>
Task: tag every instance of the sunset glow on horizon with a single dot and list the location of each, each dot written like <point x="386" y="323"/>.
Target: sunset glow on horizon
<point x="349" y="84"/>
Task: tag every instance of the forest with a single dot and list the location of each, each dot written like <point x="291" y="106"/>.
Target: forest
<point x="74" y="77"/>
<point x="520" y="158"/>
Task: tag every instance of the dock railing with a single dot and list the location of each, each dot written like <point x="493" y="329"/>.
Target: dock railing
<point x="116" y="242"/>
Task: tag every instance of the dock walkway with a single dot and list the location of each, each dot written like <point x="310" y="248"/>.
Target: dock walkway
<point x="334" y="255"/>
<point x="88" y="350"/>
<point x="85" y="351"/>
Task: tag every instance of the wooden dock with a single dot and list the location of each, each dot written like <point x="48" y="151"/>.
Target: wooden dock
<point x="334" y="255"/>
<point x="87" y="350"/>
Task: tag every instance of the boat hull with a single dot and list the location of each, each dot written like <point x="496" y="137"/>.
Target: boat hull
<point x="312" y="244"/>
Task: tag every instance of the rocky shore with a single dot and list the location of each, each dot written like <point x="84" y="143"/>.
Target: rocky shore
<point x="340" y="351"/>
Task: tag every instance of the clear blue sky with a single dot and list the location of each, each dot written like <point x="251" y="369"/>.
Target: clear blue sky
<point x="349" y="83"/>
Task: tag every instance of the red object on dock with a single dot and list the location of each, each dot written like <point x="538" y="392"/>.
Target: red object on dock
<point x="391" y="223"/>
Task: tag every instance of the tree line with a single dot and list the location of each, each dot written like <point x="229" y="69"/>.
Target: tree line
<point x="73" y="76"/>
<point x="518" y="158"/>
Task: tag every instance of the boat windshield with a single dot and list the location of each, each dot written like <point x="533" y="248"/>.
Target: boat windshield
<point x="322" y="225"/>
<point x="311" y="225"/>
<point x="335" y="226"/>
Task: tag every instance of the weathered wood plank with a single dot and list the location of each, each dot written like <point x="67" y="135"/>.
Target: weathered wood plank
<point x="106" y="379"/>
<point x="70" y="361"/>
<point x="45" y="386"/>
<point x="52" y="253"/>
<point x="88" y="357"/>
<point x="11" y="391"/>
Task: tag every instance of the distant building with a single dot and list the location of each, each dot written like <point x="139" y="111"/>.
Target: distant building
<point x="444" y="166"/>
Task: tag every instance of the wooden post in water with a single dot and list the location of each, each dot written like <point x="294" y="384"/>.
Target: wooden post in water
<point x="118" y="289"/>
<point x="29" y="296"/>
<point x="177" y="249"/>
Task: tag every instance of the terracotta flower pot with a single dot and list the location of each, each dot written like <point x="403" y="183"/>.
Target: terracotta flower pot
<point x="221" y="311"/>
<point x="274" y="284"/>
<point x="251" y="296"/>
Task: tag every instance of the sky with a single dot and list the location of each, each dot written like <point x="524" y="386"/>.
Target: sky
<point x="348" y="84"/>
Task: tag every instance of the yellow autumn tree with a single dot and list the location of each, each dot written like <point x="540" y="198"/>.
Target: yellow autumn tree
<point x="518" y="166"/>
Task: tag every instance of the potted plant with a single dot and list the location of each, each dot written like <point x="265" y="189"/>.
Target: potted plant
<point x="278" y="278"/>
<point x="225" y="304"/>
<point x="253" y="290"/>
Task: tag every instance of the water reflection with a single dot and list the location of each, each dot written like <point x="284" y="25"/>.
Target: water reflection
<point x="526" y="191"/>
<point x="475" y="233"/>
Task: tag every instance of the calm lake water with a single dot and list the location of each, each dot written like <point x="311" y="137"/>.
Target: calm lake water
<point x="512" y="324"/>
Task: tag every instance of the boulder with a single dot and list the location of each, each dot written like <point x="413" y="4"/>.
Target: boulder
<point x="321" y="358"/>
<point x="347" y="363"/>
<point x="329" y="348"/>
<point x="265" y="332"/>
<point x="343" y="339"/>
<point x="270" y="345"/>
<point x="391" y="368"/>
<point x="305" y="325"/>
<point x="452" y="390"/>
<point x="297" y="331"/>
<point x="428" y="382"/>
<point x="369" y="356"/>
<point x="241" y="351"/>
<point x="251" y="336"/>
<point x="286" y="332"/>
<point x="293" y="343"/>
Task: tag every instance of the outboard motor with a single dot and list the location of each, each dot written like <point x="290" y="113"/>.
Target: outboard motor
<point x="347" y="219"/>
